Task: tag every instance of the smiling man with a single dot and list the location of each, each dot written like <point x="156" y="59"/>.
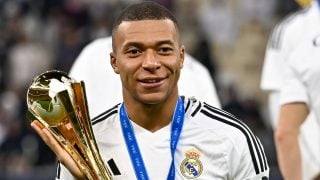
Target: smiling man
<point x="148" y="56"/>
<point x="156" y="133"/>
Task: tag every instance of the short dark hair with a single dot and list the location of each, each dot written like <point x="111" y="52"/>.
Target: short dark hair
<point x="146" y="10"/>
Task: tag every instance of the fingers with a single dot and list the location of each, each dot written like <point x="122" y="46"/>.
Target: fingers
<point x="62" y="155"/>
<point x="45" y="135"/>
<point x="38" y="127"/>
<point x="37" y="123"/>
<point x="48" y="138"/>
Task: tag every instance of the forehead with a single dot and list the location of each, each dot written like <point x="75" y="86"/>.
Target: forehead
<point x="147" y="31"/>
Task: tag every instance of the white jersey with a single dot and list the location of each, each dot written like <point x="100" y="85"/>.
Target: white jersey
<point x="225" y="148"/>
<point x="285" y="38"/>
<point x="302" y="74"/>
<point x="103" y="85"/>
<point x="282" y="42"/>
<point x="302" y="84"/>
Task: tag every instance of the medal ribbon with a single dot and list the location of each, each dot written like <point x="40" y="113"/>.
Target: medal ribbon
<point x="132" y="144"/>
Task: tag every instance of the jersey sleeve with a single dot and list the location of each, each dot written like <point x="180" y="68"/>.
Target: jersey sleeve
<point x="282" y="42"/>
<point x="63" y="173"/>
<point x="246" y="163"/>
<point x="247" y="159"/>
<point x="270" y="78"/>
<point x="274" y="57"/>
<point x="293" y="90"/>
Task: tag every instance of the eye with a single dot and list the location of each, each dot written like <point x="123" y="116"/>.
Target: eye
<point x="133" y="52"/>
<point x="165" y="50"/>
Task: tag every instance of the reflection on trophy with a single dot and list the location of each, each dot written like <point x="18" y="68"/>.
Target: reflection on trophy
<point x="59" y="103"/>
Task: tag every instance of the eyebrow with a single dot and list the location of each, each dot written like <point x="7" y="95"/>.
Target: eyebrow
<point x="139" y="44"/>
<point x="165" y="42"/>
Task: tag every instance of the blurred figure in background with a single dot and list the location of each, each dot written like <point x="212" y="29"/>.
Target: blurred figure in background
<point x="26" y="57"/>
<point x="299" y="96"/>
<point x="103" y="86"/>
<point x="286" y="37"/>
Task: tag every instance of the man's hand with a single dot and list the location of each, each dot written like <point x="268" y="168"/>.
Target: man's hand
<point x="54" y="145"/>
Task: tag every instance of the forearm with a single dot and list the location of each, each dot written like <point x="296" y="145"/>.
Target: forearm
<point x="289" y="157"/>
<point x="287" y="139"/>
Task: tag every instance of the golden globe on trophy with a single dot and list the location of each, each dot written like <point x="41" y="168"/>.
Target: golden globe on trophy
<point x="59" y="103"/>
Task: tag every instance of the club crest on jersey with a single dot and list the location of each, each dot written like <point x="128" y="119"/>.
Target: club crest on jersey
<point x="191" y="166"/>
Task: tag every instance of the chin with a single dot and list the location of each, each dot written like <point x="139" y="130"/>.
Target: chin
<point x="155" y="98"/>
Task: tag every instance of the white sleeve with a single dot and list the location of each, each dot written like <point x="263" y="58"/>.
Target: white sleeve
<point x="271" y="70"/>
<point x="275" y="56"/>
<point x="284" y="38"/>
<point x="293" y="90"/>
<point x="63" y="173"/>
<point x="242" y="164"/>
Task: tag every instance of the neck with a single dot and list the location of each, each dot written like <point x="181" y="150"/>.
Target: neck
<point x="152" y="116"/>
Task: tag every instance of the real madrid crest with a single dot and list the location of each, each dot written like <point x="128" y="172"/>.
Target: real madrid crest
<point x="191" y="166"/>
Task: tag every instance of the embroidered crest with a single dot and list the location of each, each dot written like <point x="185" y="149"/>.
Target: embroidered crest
<point x="191" y="166"/>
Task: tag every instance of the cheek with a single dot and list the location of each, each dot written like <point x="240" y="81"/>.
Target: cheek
<point x="128" y="71"/>
<point x="124" y="66"/>
<point x="175" y="69"/>
<point x="178" y="66"/>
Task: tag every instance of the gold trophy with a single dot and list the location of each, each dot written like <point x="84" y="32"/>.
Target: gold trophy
<point x="59" y="103"/>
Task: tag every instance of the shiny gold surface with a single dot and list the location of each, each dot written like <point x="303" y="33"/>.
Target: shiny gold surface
<point x="59" y="103"/>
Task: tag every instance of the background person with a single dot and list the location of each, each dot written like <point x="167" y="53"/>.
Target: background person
<point x="284" y="40"/>
<point x="299" y="96"/>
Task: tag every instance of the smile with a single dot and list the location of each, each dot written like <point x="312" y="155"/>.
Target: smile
<point x="151" y="82"/>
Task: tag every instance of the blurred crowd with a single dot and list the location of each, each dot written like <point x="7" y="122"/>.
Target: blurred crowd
<point x="228" y="36"/>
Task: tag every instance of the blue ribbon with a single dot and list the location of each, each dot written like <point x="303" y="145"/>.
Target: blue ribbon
<point x="132" y="145"/>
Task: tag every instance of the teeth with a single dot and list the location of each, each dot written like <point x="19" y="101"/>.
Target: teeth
<point x="151" y="81"/>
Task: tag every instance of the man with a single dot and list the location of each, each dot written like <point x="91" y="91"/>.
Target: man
<point x="155" y="133"/>
<point x="289" y="33"/>
<point x="103" y="86"/>
<point x="299" y="96"/>
<point x="283" y="40"/>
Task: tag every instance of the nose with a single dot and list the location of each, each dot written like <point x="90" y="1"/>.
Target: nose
<point x="151" y="61"/>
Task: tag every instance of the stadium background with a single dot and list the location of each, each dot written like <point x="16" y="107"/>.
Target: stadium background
<point x="228" y="36"/>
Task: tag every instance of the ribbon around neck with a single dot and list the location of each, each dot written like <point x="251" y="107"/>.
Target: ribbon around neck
<point x="133" y="147"/>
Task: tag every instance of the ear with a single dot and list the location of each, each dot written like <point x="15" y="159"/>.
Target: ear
<point x="113" y="62"/>
<point x="182" y="51"/>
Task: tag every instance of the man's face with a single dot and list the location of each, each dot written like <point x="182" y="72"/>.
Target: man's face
<point x="148" y="58"/>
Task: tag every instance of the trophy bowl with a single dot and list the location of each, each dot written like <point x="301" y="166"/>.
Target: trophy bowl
<point x="59" y="103"/>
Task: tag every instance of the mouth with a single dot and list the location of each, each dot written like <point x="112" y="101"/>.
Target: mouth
<point x="151" y="82"/>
